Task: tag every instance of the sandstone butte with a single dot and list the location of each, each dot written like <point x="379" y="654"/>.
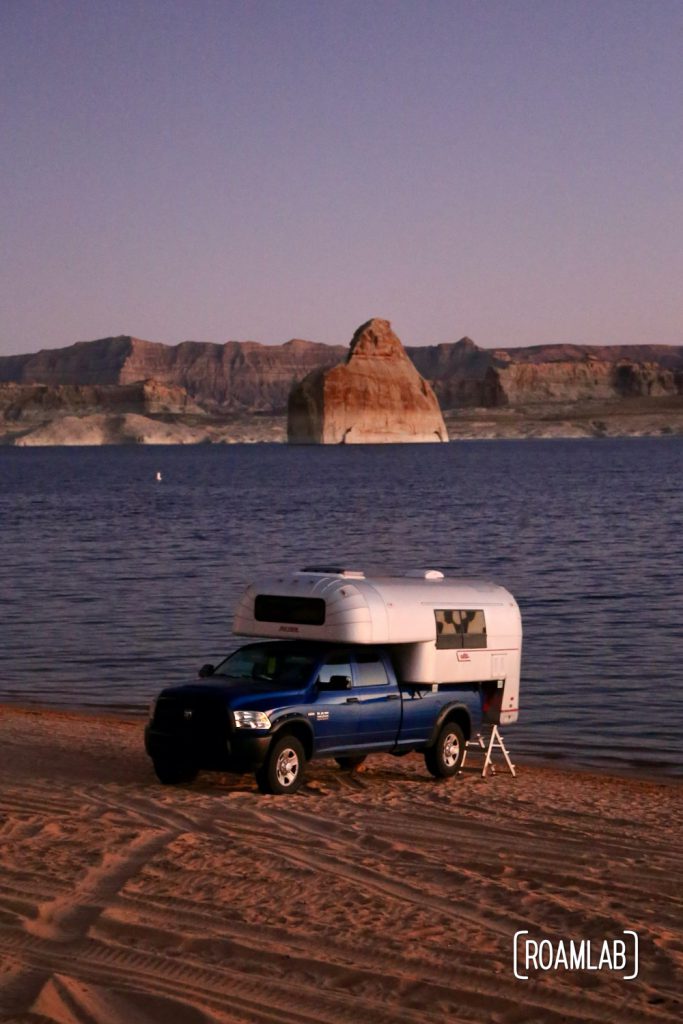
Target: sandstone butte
<point x="376" y="396"/>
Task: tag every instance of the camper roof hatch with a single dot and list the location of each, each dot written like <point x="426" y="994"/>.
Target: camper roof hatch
<point x="425" y="574"/>
<point x="328" y="570"/>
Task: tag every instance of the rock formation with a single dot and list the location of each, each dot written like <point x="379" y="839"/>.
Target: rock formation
<point x="596" y="380"/>
<point x="375" y="396"/>
<point x="235" y="377"/>
<point x="89" y="413"/>
<point x="124" y="390"/>
<point x="247" y="377"/>
<point x="31" y="402"/>
<point x="102" y="428"/>
<point x="464" y="375"/>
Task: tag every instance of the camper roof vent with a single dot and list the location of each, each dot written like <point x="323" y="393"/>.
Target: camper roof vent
<point x="330" y="570"/>
<point x="425" y="574"/>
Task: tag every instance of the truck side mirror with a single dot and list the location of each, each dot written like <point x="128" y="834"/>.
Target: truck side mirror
<point x="206" y="670"/>
<point x="336" y="683"/>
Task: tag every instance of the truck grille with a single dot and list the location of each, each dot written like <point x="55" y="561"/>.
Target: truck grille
<point x="198" y="717"/>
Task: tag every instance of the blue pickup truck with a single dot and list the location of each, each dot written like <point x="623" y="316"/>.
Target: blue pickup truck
<point x="271" y="706"/>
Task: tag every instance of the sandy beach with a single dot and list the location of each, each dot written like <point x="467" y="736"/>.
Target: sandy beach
<point x="379" y="896"/>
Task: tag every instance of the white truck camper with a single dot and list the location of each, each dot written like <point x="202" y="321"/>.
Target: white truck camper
<point x="441" y="632"/>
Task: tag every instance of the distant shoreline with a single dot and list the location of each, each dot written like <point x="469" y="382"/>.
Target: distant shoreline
<point x="585" y="420"/>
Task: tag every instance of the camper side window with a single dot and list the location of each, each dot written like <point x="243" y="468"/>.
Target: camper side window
<point x="457" y="627"/>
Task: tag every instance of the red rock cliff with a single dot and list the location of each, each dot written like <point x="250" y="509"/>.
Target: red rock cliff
<point x="36" y="402"/>
<point x="249" y="377"/>
<point x="376" y="396"/>
<point x="557" y="381"/>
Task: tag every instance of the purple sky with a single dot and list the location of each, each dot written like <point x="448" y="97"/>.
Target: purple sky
<point x="229" y="170"/>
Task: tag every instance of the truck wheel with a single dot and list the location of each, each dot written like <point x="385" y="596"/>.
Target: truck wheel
<point x="171" y="773"/>
<point x="283" y="769"/>
<point x="445" y="757"/>
<point x="349" y="764"/>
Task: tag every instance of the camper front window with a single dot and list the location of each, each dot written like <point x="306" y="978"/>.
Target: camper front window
<point x="303" y="611"/>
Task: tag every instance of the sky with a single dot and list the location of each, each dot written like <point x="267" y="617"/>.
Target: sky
<point x="510" y="170"/>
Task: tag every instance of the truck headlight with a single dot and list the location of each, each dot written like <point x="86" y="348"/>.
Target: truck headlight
<point x="252" y="720"/>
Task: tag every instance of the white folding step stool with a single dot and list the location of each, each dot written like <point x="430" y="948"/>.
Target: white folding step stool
<point x="495" y="742"/>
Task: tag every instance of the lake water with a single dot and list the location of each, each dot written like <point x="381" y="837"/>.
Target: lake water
<point x="113" y="585"/>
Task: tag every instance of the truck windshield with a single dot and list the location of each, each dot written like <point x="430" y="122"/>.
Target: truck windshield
<point x="272" y="664"/>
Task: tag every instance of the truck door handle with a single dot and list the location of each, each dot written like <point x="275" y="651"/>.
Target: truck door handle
<point x="352" y="700"/>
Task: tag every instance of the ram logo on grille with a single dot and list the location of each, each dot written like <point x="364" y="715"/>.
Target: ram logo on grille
<point x="187" y="714"/>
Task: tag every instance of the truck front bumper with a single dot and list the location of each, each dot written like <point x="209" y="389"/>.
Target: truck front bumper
<point x="238" y="749"/>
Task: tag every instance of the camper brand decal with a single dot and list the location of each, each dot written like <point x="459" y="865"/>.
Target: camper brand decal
<point x="617" y="955"/>
<point x="463" y="656"/>
<point x="289" y="629"/>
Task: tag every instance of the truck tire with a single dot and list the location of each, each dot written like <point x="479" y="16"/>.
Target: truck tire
<point x="349" y="764"/>
<point x="445" y="757"/>
<point x="283" y="769"/>
<point x="172" y="773"/>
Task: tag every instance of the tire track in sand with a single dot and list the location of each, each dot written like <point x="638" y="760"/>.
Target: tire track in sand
<point x="69" y="916"/>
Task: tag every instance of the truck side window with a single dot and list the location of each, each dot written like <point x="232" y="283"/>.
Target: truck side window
<point x="334" y="667"/>
<point x="456" y="627"/>
<point x="370" y="670"/>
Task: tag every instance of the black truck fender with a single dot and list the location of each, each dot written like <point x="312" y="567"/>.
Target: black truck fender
<point x="294" y="725"/>
<point x="454" y="712"/>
